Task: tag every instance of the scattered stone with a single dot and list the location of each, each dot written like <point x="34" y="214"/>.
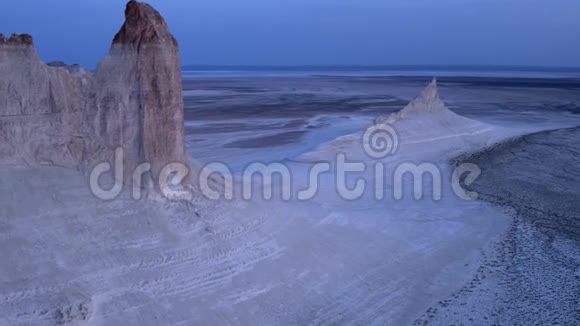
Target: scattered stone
<point x="73" y="314"/>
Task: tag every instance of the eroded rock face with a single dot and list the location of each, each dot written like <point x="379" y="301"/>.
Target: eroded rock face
<point x="136" y="99"/>
<point x="73" y="69"/>
<point x="49" y="115"/>
<point x="40" y="108"/>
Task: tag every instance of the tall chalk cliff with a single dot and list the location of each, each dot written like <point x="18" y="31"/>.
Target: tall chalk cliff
<point x="50" y="116"/>
<point x="135" y="98"/>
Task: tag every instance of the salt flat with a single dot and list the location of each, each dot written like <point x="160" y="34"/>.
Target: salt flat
<point x="72" y="258"/>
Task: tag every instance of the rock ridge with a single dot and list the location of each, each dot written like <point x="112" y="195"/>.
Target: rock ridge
<point x="51" y="115"/>
<point x="16" y="39"/>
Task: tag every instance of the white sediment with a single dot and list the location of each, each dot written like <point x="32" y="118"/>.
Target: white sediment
<point x="72" y="257"/>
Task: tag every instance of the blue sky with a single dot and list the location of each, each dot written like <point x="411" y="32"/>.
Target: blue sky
<point x="297" y="32"/>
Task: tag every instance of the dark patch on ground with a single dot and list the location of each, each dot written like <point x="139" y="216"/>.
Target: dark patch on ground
<point x="560" y="83"/>
<point x="536" y="268"/>
<point x="268" y="141"/>
<point x="286" y="105"/>
<point x="570" y="107"/>
<point x="216" y="128"/>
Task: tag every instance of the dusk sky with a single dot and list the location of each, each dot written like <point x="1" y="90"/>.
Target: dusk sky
<point x="299" y="32"/>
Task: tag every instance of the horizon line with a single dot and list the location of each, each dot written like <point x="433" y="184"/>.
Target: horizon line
<point x="347" y="67"/>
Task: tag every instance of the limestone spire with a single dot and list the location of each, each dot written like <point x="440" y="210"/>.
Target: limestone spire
<point x="428" y="99"/>
<point x="430" y="93"/>
<point x="136" y="99"/>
